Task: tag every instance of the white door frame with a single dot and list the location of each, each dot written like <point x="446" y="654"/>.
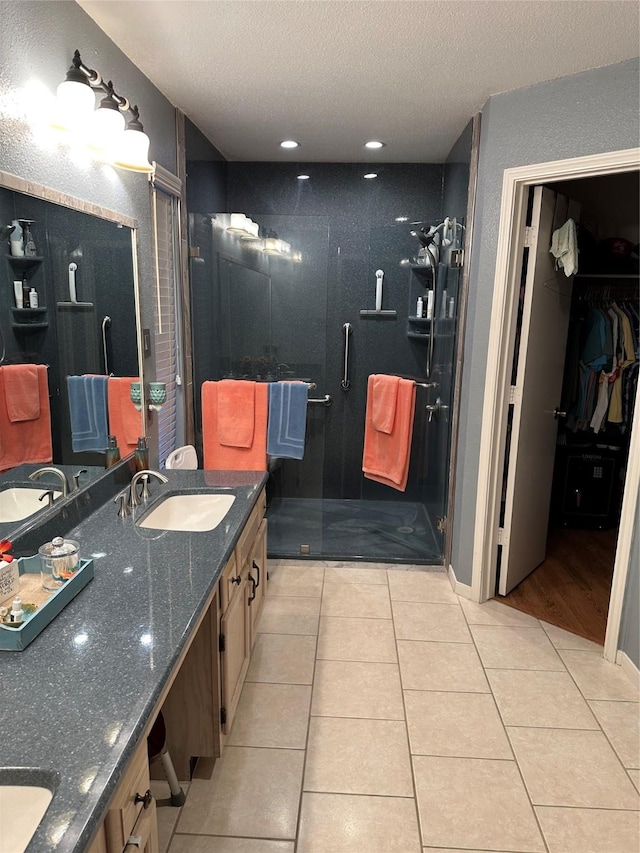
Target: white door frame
<point x="498" y="374"/>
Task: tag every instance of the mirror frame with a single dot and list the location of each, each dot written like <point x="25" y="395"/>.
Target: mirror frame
<point x="31" y="188"/>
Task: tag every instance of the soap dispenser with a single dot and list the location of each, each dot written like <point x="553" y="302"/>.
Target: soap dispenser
<point x="142" y="455"/>
<point x="113" y="452"/>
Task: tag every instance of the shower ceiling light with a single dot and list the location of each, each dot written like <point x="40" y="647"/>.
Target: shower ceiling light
<point x="371" y="175"/>
<point x="402" y="218"/>
<point x="289" y="143"/>
<point x="303" y="177"/>
<point x="374" y="144"/>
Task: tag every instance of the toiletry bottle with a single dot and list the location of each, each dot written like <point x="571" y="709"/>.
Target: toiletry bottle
<point x="17" y="292"/>
<point x="17" y="613"/>
<point x="452" y="308"/>
<point x="27" y="239"/>
<point x="17" y="244"/>
<point x="25" y="292"/>
<point x="33" y="298"/>
<point x="142" y="455"/>
<point x="113" y="452"/>
<point x="430" y="305"/>
<point x="419" y="307"/>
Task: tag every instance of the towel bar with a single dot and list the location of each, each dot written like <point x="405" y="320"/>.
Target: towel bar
<point x="327" y="400"/>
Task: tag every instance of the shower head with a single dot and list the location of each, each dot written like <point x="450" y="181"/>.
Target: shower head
<point x="425" y="237"/>
<point x="8" y="229"/>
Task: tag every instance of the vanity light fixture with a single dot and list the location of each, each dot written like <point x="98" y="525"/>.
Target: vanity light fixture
<point x="243" y="227"/>
<point x="373" y="144"/>
<point x="371" y="175"/>
<point x="106" y="129"/>
<point x="289" y="143"/>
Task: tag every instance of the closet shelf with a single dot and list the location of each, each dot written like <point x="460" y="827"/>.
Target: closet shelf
<point x="628" y="276"/>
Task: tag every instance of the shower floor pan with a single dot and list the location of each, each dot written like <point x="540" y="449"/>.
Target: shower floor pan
<point x="372" y="531"/>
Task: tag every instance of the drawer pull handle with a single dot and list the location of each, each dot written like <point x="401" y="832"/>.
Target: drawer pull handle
<point x="146" y="799"/>
<point x="135" y="841"/>
<point x="237" y="580"/>
<point x="253" y="591"/>
<point x="257" y="568"/>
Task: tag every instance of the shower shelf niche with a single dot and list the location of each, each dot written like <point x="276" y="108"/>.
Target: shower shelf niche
<point x="27" y="319"/>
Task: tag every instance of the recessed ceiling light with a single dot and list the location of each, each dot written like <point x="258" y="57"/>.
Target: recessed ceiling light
<point x="370" y="175"/>
<point x="374" y="144"/>
<point x="289" y="143"/>
<point x="303" y="177"/>
<point x="402" y="218"/>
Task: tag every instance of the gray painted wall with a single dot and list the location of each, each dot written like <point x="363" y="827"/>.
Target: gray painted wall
<point x="37" y="41"/>
<point x="586" y="113"/>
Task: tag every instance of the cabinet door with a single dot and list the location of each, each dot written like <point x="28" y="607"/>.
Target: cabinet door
<point x="144" y="838"/>
<point x="257" y="578"/>
<point x="234" y="651"/>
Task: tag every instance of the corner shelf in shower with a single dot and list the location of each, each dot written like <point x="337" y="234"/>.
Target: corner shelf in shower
<point x="26" y="319"/>
<point x="25" y="265"/>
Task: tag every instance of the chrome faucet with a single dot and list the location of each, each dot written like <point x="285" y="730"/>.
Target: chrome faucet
<point x="63" y="477"/>
<point x="134" y="498"/>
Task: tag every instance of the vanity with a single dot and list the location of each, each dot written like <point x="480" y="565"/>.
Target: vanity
<point x="167" y="623"/>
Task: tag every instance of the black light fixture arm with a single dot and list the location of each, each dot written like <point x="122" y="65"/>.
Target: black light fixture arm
<point x="94" y="78"/>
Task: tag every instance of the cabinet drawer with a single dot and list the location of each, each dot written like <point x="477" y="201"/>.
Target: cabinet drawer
<point x="228" y="584"/>
<point x="125" y="811"/>
<point x="245" y="542"/>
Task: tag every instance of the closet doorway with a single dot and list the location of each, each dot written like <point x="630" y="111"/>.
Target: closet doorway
<point x="515" y="487"/>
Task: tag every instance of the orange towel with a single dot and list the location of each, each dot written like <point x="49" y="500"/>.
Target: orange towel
<point x="223" y="457"/>
<point x="125" y="421"/>
<point x="236" y="412"/>
<point x="26" y="441"/>
<point x="386" y="455"/>
<point x="383" y="404"/>
<point x="21" y="392"/>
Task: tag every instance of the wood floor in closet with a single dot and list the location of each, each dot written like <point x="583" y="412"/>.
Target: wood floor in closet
<point x="571" y="588"/>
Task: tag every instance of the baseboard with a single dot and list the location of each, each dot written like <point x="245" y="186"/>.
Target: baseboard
<point x="623" y="660"/>
<point x="461" y="589"/>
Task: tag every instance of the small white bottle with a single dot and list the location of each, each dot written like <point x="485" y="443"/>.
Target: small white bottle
<point x="33" y="298"/>
<point x="17" y="613"/>
<point x="430" y="305"/>
<point x="419" y="307"/>
<point x="452" y="308"/>
<point x="444" y="304"/>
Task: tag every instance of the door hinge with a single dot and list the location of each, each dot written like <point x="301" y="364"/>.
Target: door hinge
<point x="530" y="235"/>
<point x="221" y="643"/>
<point x="513" y="394"/>
<point x="441" y="523"/>
<point x="456" y="261"/>
<point x="501" y="536"/>
<point x="194" y="251"/>
<point x="223" y="716"/>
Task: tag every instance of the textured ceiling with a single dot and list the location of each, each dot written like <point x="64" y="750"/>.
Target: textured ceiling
<point x="334" y="74"/>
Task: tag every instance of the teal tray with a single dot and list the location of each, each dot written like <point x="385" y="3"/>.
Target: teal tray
<point x="17" y="639"/>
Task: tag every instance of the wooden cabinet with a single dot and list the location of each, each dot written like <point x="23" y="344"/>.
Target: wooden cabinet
<point x="243" y="588"/>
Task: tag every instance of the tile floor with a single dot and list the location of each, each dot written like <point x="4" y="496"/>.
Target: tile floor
<point x="383" y="714"/>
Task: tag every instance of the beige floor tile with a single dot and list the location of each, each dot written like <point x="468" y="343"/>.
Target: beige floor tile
<point x="441" y="666"/>
<point x="296" y="580"/>
<point x="359" y="565"/>
<point x="466" y="725"/>
<point x="273" y="715"/>
<point x="356" y="599"/>
<point x="357" y="689"/>
<point x="494" y="612"/>
<point x="620" y="722"/>
<point x="597" y="678"/>
<point x="344" y="823"/>
<point x="342" y="638"/>
<point x="421" y="586"/>
<point x="474" y="803"/>
<point x="589" y="830"/>
<point x="283" y="659"/>
<point x="421" y="620"/>
<point x="353" y="575"/>
<point x="562" y="639"/>
<point x="253" y="793"/>
<point x="562" y="767"/>
<point x="283" y="614"/>
<point x="634" y="775"/>
<point x="506" y="647"/>
<point x="211" y="844"/>
<point x="546" y="699"/>
<point x="167" y="815"/>
<point x="358" y="757"/>
<point x="457" y="850"/>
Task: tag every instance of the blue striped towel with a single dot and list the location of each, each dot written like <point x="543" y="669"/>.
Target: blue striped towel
<point x="287" y="419"/>
<point x="88" y="412"/>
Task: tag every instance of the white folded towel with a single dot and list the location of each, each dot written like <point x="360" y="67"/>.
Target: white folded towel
<point x="564" y="247"/>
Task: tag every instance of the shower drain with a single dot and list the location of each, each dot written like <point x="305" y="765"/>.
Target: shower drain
<point x="405" y="529"/>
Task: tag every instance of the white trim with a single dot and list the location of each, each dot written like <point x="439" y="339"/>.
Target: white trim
<point x="501" y="335"/>
<point x="623" y="660"/>
<point x="165" y="180"/>
<point x="461" y="589"/>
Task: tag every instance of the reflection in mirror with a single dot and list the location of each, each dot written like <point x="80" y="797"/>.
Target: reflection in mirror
<point x="68" y="308"/>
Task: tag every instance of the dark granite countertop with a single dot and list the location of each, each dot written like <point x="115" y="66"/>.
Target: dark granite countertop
<point x="77" y="700"/>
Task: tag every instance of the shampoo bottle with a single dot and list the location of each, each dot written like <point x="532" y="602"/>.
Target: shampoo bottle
<point x="17" y="244"/>
<point x="419" y="307"/>
<point x="26" y="290"/>
<point x="142" y="455"/>
<point x="17" y="293"/>
<point x="33" y="298"/>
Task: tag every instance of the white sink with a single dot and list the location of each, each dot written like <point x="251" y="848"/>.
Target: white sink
<point x="22" y="807"/>
<point x="17" y="502"/>
<point x="191" y="513"/>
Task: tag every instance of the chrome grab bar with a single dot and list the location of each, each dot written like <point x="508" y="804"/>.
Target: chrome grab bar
<point x="327" y="400"/>
<point x="106" y="322"/>
<point x="346" y="382"/>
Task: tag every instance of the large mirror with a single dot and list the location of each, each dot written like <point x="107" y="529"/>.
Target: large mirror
<point x="69" y="331"/>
